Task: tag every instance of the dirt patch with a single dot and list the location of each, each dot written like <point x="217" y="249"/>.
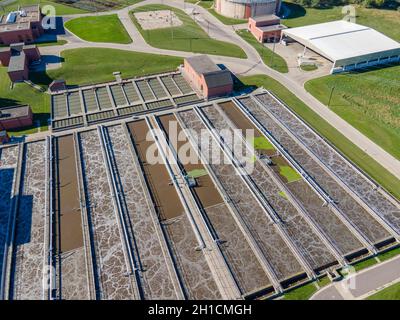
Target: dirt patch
<point x="159" y="19"/>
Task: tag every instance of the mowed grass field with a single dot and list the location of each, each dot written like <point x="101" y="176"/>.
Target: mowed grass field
<point x="187" y="37"/>
<point x="74" y="7"/>
<point x="99" y="29"/>
<point x="22" y="93"/>
<point x="358" y="156"/>
<point x="61" y="9"/>
<point x="271" y="59"/>
<point x="389" y="293"/>
<point x="369" y="101"/>
<point x="94" y="65"/>
<point x="81" y="66"/>
<point x="208" y="5"/>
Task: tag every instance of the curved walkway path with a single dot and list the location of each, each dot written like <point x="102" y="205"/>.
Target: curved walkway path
<point x="362" y="284"/>
<point x="250" y="66"/>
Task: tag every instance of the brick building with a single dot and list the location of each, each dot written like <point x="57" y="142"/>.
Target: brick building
<point x="266" y="28"/>
<point x="23" y="25"/>
<point x="17" y="58"/>
<point x="15" y="117"/>
<point x="206" y="77"/>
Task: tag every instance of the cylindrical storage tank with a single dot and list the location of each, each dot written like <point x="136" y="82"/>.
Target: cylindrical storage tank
<point x="243" y="9"/>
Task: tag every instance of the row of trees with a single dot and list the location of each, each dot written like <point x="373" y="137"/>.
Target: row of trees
<point x="367" y="3"/>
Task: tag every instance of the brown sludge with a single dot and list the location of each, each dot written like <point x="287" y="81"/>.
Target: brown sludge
<point x="67" y="197"/>
<point x="168" y="203"/>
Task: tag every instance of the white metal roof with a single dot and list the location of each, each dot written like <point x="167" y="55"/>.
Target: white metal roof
<point x="339" y="40"/>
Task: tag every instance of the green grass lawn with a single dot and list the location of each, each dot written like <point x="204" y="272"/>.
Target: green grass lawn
<point x="88" y="65"/>
<point x="270" y="58"/>
<point x="308" y="67"/>
<point x="226" y="20"/>
<point x="188" y="37"/>
<point x="369" y="101"/>
<point x="369" y="165"/>
<point x="302" y="293"/>
<point x="74" y="7"/>
<point x="81" y="66"/>
<point x="99" y="29"/>
<point x="208" y="5"/>
<point x="365" y="264"/>
<point x="61" y="9"/>
<point x="24" y="94"/>
<point x="389" y="293"/>
<point x="389" y="254"/>
<point x="385" y="21"/>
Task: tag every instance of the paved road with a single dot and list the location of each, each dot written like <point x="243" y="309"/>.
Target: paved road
<point x="249" y="66"/>
<point x="362" y="284"/>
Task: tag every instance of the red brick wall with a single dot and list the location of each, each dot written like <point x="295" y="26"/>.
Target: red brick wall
<point x="247" y="11"/>
<point x="5" y="58"/>
<point x="19" y="75"/>
<point x="16" y="123"/>
<point x="218" y="91"/>
<point x="26" y="36"/>
<point x="199" y="84"/>
<point x="192" y="77"/>
<point x="32" y="54"/>
<point x="259" y="34"/>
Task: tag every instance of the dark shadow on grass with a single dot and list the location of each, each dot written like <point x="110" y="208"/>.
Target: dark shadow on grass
<point x="40" y="78"/>
<point x="373" y="68"/>
<point x="240" y="88"/>
<point x="45" y="61"/>
<point x="5" y="102"/>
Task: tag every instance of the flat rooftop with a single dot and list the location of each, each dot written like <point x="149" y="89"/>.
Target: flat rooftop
<point x="17" y="62"/>
<point x="202" y="64"/>
<point x="32" y="14"/>
<point x="272" y="28"/>
<point x="339" y="40"/>
<point x="14" y="112"/>
<point x="267" y="17"/>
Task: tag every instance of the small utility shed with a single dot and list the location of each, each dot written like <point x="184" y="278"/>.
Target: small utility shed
<point x="348" y="45"/>
<point x="206" y="77"/>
